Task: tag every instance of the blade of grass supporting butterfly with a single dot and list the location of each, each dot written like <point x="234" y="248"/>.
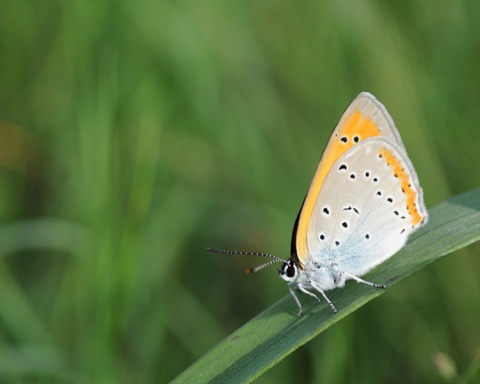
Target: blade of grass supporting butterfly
<point x="272" y="335"/>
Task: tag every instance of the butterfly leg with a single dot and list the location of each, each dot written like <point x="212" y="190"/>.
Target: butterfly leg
<point x="358" y="280"/>
<point x="304" y="290"/>
<point x="292" y="292"/>
<point x="324" y="296"/>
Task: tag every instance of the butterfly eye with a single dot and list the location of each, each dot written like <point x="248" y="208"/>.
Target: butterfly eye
<point x="291" y="271"/>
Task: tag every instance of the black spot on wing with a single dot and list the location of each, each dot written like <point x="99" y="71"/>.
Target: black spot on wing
<point x="350" y="208"/>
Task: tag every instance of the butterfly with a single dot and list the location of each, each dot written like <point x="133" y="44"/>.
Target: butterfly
<point x="364" y="202"/>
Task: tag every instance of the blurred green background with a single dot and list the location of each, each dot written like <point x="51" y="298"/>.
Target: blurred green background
<point x="135" y="134"/>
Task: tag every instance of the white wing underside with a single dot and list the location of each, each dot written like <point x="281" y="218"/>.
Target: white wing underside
<point x="360" y="218"/>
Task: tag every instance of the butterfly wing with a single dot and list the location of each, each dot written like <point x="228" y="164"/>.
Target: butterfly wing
<point x="370" y="202"/>
<point x="364" y="118"/>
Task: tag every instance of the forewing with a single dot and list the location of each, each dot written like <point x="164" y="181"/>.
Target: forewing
<point x="364" y="118"/>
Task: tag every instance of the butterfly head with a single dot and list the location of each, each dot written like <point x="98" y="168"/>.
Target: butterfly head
<point x="289" y="270"/>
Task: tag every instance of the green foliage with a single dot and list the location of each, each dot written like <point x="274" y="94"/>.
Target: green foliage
<point x="276" y="332"/>
<point x="133" y="135"/>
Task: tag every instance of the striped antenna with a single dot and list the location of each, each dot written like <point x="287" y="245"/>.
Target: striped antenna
<point x="276" y="259"/>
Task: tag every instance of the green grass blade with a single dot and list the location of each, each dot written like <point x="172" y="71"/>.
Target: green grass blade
<point x="276" y="332"/>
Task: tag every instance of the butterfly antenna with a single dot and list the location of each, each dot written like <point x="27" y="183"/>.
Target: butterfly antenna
<point x="276" y="259"/>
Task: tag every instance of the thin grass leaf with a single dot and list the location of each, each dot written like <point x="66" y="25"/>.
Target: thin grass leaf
<point x="272" y="335"/>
